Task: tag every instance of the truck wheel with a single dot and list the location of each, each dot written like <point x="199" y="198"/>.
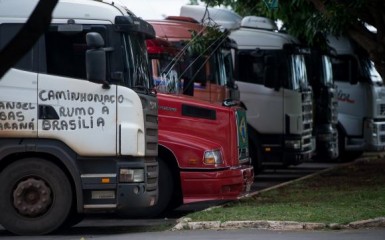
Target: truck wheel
<point x="345" y="156"/>
<point x="72" y="219"/>
<point x="165" y="187"/>
<point x="35" y="197"/>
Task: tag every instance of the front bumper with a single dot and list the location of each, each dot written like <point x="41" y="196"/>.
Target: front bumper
<point x="105" y="193"/>
<point x="228" y="184"/>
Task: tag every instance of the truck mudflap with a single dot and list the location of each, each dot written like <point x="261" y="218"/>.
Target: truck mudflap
<point x="224" y="184"/>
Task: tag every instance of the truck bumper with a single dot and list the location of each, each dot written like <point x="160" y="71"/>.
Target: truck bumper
<point x="284" y="150"/>
<point x="327" y="143"/>
<point x="111" y="193"/>
<point x="374" y="134"/>
<point x="229" y="184"/>
<point x="133" y="199"/>
<point x="295" y="158"/>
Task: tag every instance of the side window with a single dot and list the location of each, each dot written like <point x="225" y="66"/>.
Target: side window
<point x="65" y="54"/>
<point x="7" y="33"/>
<point x="251" y="68"/>
<point x="342" y="69"/>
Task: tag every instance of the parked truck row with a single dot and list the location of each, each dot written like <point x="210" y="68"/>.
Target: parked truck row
<point x="110" y="113"/>
<point x="83" y="130"/>
<point x="339" y="114"/>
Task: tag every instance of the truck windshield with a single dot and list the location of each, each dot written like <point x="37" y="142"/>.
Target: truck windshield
<point x="136" y="62"/>
<point x="166" y="74"/>
<point x="327" y="71"/>
<point x="299" y="76"/>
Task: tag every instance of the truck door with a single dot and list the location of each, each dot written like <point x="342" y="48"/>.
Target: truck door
<point x="18" y="106"/>
<point x="72" y="109"/>
<point x="352" y="98"/>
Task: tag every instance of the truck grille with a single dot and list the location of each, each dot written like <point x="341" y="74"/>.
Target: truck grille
<point x="150" y="126"/>
<point x="307" y="111"/>
<point x="381" y="109"/>
<point x="381" y="133"/>
<point x="151" y="134"/>
<point x="334" y="110"/>
<point x="306" y="143"/>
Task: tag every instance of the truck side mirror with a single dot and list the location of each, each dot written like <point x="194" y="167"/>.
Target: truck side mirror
<point x="96" y="67"/>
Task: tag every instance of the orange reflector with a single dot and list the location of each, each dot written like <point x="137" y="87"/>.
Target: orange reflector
<point x="210" y="161"/>
<point x="105" y="180"/>
<point x="193" y="161"/>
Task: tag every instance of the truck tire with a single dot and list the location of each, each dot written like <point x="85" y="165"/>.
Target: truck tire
<point x="166" y="189"/>
<point x="72" y="219"/>
<point x="35" y="197"/>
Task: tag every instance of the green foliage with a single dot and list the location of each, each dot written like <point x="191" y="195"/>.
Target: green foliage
<point x="208" y="40"/>
<point x="302" y="19"/>
<point x="312" y="20"/>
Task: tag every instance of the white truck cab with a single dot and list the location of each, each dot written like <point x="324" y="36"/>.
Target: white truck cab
<point x="361" y="99"/>
<point x="78" y="130"/>
<point x="274" y="88"/>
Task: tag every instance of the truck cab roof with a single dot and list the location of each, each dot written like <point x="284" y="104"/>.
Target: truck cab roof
<point x="65" y="9"/>
<point x="173" y="29"/>
<point x="247" y="38"/>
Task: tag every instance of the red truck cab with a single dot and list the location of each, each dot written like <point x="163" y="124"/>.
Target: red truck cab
<point x="211" y="74"/>
<point x="203" y="147"/>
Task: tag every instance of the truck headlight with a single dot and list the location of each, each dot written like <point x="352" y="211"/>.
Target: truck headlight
<point x="213" y="157"/>
<point x="294" y="144"/>
<point x="131" y="175"/>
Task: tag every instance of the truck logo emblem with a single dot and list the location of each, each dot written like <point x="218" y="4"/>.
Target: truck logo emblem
<point x="167" y="108"/>
<point x="243" y="130"/>
<point x="344" y="97"/>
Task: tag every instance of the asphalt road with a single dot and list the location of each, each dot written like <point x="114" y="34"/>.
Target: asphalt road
<point x="84" y="233"/>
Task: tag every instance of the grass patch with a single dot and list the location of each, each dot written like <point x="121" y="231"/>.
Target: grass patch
<point x="345" y="194"/>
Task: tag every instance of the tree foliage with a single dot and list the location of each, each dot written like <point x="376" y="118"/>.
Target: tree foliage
<point x="203" y="43"/>
<point x="310" y="19"/>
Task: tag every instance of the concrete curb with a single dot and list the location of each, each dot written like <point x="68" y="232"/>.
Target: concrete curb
<point x="187" y="224"/>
